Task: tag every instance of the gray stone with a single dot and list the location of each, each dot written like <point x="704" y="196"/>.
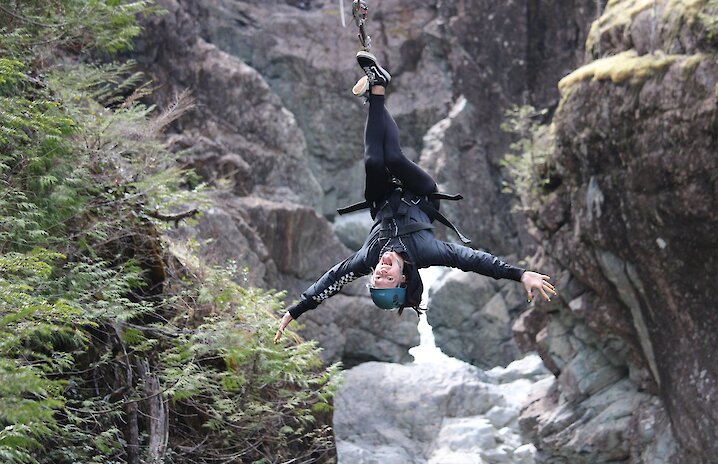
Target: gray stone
<point x="352" y="229"/>
<point x="352" y="330"/>
<point x="440" y="412"/>
<point x="524" y="454"/>
<point x="500" y="417"/>
<point x="471" y="318"/>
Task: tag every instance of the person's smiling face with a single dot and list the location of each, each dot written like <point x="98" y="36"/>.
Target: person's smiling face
<point x="388" y="271"/>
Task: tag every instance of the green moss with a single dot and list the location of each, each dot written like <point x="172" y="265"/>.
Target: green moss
<point x="617" y="14"/>
<point x="708" y="16"/>
<point x="686" y="8"/>
<point x="689" y="65"/>
<point x="621" y="68"/>
<point x="674" y="16"/>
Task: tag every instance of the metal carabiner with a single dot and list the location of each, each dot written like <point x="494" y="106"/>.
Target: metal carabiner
<point x="360" y="12"/>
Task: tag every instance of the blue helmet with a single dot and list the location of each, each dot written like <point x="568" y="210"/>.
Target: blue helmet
<point x="388" y="299"/>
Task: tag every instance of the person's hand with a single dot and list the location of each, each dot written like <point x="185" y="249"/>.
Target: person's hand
<point x="286" y="319"/>
<point x="534" y="280"/>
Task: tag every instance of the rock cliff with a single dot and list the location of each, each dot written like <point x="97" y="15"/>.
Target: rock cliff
<point x="634" y="184"/>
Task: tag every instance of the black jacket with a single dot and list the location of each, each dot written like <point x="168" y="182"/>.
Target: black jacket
<point x="420" y="248"/>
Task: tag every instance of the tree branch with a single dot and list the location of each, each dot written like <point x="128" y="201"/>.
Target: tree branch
<point x="173" y="217"/>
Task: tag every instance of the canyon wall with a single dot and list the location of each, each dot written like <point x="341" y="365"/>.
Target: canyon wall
<point x="624" y="222"/>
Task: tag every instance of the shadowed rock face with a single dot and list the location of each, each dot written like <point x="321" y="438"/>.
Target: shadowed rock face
<point x="499" y="54"/>
<point x="472" y="315"/>
<point x="636" y="161"/>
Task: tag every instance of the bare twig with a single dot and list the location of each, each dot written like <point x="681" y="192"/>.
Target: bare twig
<point x="173" y="217"/>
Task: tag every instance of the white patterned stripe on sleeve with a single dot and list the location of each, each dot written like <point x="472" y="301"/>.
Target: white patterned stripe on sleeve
<point x="335" y="287"/>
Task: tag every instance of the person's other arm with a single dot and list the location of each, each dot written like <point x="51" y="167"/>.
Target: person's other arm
<point x="438" y="253"/>
<point x="327" y="286"/>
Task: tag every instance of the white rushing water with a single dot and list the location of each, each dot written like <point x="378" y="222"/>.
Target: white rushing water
<point x="427" y="352"/>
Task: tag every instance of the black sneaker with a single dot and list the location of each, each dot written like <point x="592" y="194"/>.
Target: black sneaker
<point x="374" y="73"/>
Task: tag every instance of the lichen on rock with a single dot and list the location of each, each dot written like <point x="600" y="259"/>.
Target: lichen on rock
<point x="626" y="67"/>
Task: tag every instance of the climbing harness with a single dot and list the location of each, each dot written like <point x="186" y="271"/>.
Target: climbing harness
<point x="400" y="201"/>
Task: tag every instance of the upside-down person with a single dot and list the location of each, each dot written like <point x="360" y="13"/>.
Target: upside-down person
<point x="403" y="202"/>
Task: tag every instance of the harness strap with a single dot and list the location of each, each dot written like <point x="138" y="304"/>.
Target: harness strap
<point x="424" y="204"/>
<point x="434" y="213"/>
<point x="354" y="207"/>
<point x="444" y="196"/>
<point x="365" y="204"/>
<point x="407" y="229"/>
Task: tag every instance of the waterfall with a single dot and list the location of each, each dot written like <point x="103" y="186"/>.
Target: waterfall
<point x="426" y="352"/>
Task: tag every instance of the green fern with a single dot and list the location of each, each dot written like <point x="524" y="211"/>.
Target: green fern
<point x="91" y="304"/>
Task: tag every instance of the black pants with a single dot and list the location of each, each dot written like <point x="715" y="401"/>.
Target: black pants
<point x="383" y="158"/>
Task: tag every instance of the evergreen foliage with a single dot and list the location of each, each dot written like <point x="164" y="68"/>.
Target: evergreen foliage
<point x="117" y="345"/>
<point x="528" y="163"/>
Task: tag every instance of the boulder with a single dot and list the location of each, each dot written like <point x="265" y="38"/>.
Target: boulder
<point x="352" y="229"/>
<point x="472" y="317"/>
<point x="352" y="330"/>
<point x="445" y="411"/>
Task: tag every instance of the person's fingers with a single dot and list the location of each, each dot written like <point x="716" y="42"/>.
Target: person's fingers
<point x="528" y="291"/>
<point x="551" y="289"/>
<point x="545" y="295"/>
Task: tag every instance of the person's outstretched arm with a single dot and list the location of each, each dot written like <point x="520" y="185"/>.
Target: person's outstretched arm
<point x="327" y="286"/>
<point x="438" y="253"/>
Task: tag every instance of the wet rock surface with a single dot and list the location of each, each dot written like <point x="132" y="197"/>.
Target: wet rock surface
<point x="439" y="412"/>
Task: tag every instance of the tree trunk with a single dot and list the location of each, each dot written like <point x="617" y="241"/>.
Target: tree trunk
<point x="158" y="417"/>
<point x="132" y="434"/>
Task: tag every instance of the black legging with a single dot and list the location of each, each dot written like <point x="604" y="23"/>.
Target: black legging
<point x="383" y="157"/>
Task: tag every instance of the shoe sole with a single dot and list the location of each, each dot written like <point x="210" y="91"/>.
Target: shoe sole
<point x="368" y="60"/>
<point x="361" y="87"/>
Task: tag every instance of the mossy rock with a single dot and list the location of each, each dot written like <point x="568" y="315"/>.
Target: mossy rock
<point x="627" y="67"/>
<point x="671" y="17"/>
<point x="617" y="14"/>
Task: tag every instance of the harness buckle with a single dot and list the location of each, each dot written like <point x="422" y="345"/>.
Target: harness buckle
<point x="413" y="202"/>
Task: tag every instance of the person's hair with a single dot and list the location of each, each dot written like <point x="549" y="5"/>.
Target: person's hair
<point x="414" y="288"/>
